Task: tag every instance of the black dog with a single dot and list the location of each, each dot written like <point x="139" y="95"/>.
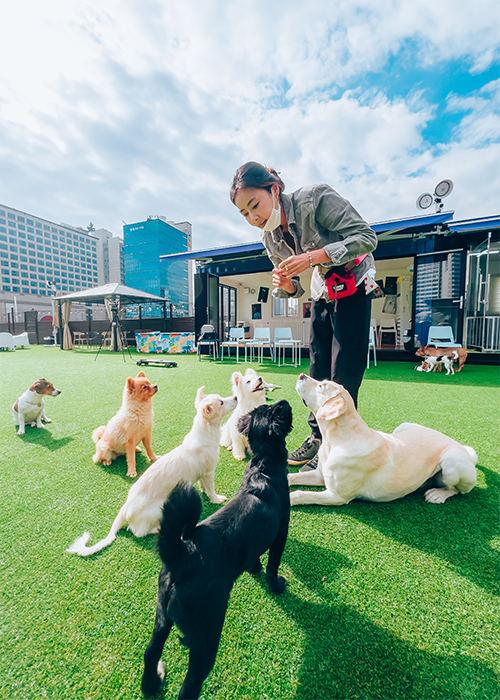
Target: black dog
<point x="201" y="561"/>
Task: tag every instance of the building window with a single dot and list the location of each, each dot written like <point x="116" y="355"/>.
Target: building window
<point x="286" y="307"/>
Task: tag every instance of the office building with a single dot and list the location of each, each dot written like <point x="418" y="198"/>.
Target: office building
<point x="34" y="251"/>
<point x="110" y="260"/>
<point x="143" y="243"/>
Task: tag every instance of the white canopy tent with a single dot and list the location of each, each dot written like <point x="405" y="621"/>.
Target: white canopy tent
<point x="114" y="296"/>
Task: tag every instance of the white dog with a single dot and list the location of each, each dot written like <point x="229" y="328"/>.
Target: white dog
<point x="194" y="460"/>
<point x="29" y="407"/>
<point x="250" y="391"/>
<point x="357" y="462"/>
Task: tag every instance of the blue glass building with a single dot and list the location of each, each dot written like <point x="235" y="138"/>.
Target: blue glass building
<point x="143" y="243"/>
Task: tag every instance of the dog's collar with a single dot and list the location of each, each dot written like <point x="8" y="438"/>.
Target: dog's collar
<point x="38" y="402"/>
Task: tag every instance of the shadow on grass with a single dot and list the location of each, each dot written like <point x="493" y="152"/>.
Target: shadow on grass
<point x="118" y="467"/>
<point x="458" y="532"/>
<point x="347" y="656"/>
<point x="43" y="437"/>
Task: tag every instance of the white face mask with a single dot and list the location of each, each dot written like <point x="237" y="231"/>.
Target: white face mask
<point x="274" y="219"/>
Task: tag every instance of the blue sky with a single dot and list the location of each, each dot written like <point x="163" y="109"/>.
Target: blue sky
<point x="112" y="111"/>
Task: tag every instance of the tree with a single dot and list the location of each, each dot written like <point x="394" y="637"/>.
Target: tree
<point x="90" y="227"/>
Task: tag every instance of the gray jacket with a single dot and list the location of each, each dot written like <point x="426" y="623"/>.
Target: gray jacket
<point x="318" y="217"/>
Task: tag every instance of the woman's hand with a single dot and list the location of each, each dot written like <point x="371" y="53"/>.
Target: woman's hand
<point x="279" y="280"/>
<point x="294" y="265"/>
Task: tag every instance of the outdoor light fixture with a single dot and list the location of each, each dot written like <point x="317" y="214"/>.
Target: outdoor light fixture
<point x="442" y="190"/>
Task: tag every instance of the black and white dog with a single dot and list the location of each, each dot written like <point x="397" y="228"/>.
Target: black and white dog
<point x="201" y="561"/>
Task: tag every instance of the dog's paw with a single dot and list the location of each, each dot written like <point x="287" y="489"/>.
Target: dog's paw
<point x="40" y="425"/>
<point x="436" y="495"/>
<point x="152" y="684"/>
<point x="131" y="474"/>
<point x="33" y="423"/>
<point x="218" y="499"/>
<point x="47" y="420"/>
<point x="239" y="456"/>
<point x="276" y="584"/>
<point x="21" y="431"/>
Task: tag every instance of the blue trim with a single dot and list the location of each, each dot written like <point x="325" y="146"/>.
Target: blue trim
<point x="417" y="222"/>
<point x="480" y="224"/>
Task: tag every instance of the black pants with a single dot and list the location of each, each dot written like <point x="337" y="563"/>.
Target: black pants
<point x="338" y="345"/>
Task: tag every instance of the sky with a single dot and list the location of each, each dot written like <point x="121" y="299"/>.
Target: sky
<point x="113" y="110"/>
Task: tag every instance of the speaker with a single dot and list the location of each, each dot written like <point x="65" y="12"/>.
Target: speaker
<point x="263" y="293"/>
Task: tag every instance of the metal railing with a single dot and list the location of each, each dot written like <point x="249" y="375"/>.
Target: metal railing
<point x="483" y="332"/>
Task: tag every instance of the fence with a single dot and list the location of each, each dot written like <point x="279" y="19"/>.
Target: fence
<point x="483" y="333"/>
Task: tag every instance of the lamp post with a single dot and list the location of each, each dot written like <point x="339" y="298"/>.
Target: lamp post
<point x="52" y="288"/>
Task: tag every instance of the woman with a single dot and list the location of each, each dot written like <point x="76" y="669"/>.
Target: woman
<point x="314" y="227"/>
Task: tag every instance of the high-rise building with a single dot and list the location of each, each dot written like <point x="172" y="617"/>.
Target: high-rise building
<point x="34" y="251"/>
<point x="143" y="244"/>
<point x="111" y="264"/>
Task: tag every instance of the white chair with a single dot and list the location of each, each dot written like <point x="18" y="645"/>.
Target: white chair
<point x="283" y="339"/>
<point x="373" y="324"/>
<point x="7" y="341"/>
<point x="236" y="338"/>
<point x="261" y="337"/>
<point x="22" y="340"/>
<point x="371" y="344"/>
<point x="388" y="326"/>
<point x="210" y="343"/>
<point x="442" y="337"/>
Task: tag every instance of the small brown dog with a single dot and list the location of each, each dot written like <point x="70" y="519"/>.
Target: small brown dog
<point x="132" y="424"/>
<point x="431" y="351"/>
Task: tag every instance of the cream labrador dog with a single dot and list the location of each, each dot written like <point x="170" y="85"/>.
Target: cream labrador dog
<point x="357" y="462"/>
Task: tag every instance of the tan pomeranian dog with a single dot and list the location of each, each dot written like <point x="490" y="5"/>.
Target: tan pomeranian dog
<point x="132" y="424"/>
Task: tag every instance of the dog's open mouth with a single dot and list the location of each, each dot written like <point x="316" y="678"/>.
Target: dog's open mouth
<point x="259" y="387"/>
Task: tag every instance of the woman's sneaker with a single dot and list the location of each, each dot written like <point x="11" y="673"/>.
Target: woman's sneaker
<point x="311" y="465"/>
<point x="305" y="452"/>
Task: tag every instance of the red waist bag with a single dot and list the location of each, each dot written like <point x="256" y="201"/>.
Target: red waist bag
<point x="340" y="281"/>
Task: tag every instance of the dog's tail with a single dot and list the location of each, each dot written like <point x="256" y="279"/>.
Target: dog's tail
<point x="472" y="453"/>
<point x="98" y="433"/>
<point x="181" y="513"/>
<point x="79" y="545"/>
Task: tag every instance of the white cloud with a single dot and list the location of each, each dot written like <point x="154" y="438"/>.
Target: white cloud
<point x="117" y="110"/>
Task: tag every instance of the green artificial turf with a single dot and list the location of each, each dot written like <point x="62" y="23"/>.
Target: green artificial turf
<point x="384" y="601"/>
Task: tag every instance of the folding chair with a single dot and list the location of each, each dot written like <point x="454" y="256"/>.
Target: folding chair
<point x="210" y="341"/>
<point x="261" y="337"/>
<point x="236" y="337"/>
<point x="442" y="337"/>
<point x="283" y="339"/>
<point x="371" y="344"/>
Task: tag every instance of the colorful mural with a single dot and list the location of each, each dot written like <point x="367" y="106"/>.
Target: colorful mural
<point x="171" y="343"/>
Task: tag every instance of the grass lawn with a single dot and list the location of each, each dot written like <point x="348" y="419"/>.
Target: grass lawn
<point x="384" y="601"/>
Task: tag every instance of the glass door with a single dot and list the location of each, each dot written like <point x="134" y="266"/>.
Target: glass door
<point x="438" y="297"/>
<point x="482" y="308"/>
<point x="227" y="310"/>
<point x="213" y="301"/>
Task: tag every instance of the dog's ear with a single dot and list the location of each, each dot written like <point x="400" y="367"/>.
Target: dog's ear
<point x="236" y="379"/>
<point x="199" y="396"/>
<point x="282" y="417"/>
<point x="251" y="372"/>
<point x="140" y="374"/>
<point x="244" y="424"/>
<point x="130" y="384"/>
<point x="332" y="408"/>
<point x="208" y="410"/>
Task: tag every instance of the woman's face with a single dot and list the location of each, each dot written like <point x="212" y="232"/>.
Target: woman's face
<point x="256" y="204"/>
